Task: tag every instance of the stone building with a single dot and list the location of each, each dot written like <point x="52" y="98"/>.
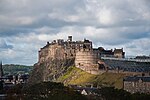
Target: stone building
<point x="61" y="49"/>
<point x="87" y="60"/>
<point x="135" y="84"/>
<point x="118" y="53"/>
<point x="105" y="53"/>
<point x="86" y="57"/>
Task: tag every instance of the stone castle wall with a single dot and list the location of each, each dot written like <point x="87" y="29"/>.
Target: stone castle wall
<point x="51" y="52"/>
<point x="86" y="59"/>
<point x="63" y="49"/>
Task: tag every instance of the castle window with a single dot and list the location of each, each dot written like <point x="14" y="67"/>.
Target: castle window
<point x="84" y="46"/>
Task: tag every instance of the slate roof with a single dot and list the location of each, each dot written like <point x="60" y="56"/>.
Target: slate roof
<point x="129" y="66"/>
<point x="133" y="78"/>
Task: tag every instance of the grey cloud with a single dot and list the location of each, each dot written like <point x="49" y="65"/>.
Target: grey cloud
<point x="4" y="45"/>
<point x="18" y="11"/>
<point x="106" y="22"/>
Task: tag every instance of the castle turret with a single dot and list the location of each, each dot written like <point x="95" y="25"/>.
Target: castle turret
<point x="118" y="53"/>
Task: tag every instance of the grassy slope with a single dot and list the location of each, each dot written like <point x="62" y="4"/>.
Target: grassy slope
<point x="76" y="76"/>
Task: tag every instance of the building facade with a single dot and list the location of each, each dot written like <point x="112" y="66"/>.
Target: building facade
<point x="135" y="84"/>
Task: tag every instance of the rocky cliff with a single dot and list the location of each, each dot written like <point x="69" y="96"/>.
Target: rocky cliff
<point x="50" y="70"/>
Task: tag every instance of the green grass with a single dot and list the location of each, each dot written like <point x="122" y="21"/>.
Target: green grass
<point x="77" y="76"/>
<point x="68" y="74"/>
<point x="110" y="79"/>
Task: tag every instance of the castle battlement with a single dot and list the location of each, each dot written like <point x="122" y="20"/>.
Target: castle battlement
<point x="61" y="49"/>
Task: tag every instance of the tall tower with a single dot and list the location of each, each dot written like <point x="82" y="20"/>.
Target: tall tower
<point x="1" y="70"/>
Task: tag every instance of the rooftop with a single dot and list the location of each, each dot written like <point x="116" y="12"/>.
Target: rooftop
<point x="127" y="65"/>
<point x="134" y="78"/>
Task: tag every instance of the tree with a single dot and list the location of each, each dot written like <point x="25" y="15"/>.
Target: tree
<point x="50" y="91"/>
<point x="110" y="93"/>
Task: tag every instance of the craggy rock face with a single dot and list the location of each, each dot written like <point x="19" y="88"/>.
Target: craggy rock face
<point x="50" y="70"/>
<point x="54" y="51"/>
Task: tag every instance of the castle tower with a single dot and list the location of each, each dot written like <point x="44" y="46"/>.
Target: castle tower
<point x="1" y="70"/>
<point x="70" y="38"/>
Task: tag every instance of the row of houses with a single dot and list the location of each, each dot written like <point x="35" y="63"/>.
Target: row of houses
<point x="134" y="84"/>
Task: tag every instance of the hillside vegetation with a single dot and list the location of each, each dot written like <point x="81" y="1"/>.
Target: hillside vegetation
<point x="76" y="76"/>
<point x="16" y="69"/>
<point x="50" y="70"/>
<point x="43" y="91"/>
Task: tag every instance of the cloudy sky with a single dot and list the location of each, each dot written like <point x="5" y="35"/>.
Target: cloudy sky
<point x="26" y="25"/>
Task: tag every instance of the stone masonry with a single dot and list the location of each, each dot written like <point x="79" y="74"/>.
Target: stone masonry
<point x="86" y="57"/>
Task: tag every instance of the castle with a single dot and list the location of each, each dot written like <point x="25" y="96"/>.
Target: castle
<point x="98" y="60"/>
<point x="86" y="57"/>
